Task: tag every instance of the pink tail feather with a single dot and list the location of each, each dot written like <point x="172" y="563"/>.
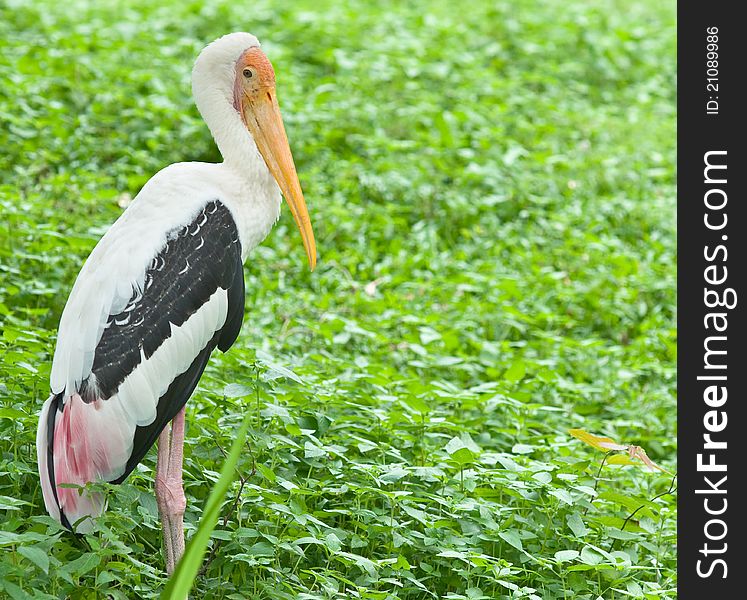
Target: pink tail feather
<point x="81" y="443"/>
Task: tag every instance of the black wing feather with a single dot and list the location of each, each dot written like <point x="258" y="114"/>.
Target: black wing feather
<point x="235" y="317"/>
<point x="196" y="260"/>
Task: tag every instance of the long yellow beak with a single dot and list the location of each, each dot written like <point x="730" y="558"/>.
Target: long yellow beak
<point x="263" y="119"/>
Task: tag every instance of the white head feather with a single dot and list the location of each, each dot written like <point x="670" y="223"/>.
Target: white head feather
<point x="213" y="79"/>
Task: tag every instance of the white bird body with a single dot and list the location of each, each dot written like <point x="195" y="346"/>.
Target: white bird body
<point x="117" y="264"/>
<point x="164" y="287"/>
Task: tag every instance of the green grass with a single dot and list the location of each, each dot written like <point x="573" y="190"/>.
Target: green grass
<point x="492" y="190"/>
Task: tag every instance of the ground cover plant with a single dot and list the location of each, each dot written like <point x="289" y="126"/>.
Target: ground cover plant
<point x="492" y="190"/>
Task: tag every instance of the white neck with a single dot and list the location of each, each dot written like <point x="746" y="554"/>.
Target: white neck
<point x="248" y="189"/>
<point x="234" y="141"/>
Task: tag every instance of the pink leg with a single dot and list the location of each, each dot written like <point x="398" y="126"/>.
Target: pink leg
<point x="169" y="490"/>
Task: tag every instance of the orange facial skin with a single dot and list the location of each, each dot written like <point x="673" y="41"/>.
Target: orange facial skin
<point x="256" y="102"/>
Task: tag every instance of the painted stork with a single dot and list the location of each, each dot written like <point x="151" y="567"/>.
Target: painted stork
<point x="163" y="288"/>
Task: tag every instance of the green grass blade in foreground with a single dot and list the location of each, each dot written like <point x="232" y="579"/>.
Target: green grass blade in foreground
<point x="186" y="570"/>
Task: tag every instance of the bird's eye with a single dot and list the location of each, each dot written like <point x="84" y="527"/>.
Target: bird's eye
<point x="248" y="73"/>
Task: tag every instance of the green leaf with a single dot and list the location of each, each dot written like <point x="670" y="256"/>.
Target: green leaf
<point x="417" y="404"/>
<point x="566" y="555"/>
<point x="11" y="413"/>
<point x="621" y="459"/>
<point x="512" y="537"/>
<point x="522" y="449"/>
<point x="419" y="515"/>
<point x="36" y="555"/>
<point x="332" y="542"/>
<point x="361" y="561"/>
<point x="454" y="444"/>
<point x="576" y="523"/>
<point x="267" y="472"/>
<point x="463" y="456"/>
<point x="395" y="473"/>
<point x="277" y="370"/>
<point x="8" y="503"/>
<point x="261" y="549"/>
<point x="82" y="565"/>
<point x="515" y="372"/>
<point x="310" y="450"/>
<point x="462" y="451"/>
<point x="564" y="496"/>
<point x="630" y="502"/>
<point x="309" y="540"/>
<point x="590" y="556"/>
<point x="237" y="390"/>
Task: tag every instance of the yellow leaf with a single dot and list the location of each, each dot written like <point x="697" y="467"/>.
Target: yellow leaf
<point x="599" y="442"/>
<point x="606" y="444"/>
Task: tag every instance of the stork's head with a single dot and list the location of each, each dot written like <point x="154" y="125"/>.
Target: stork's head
<point x="233" y="76"/>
